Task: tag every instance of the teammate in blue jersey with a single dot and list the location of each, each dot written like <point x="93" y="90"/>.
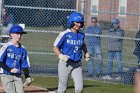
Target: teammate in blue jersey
<point x="68" y="46"/>
<point x="14" y="60"/>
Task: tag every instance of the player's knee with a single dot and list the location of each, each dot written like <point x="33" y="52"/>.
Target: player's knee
<point x="79" y="90"/>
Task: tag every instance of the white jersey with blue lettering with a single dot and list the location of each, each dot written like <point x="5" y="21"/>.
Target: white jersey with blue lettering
<point x="70" y="44"/>
<point x="14" y="57"/>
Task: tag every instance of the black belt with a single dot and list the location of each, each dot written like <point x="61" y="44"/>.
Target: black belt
<point x="74" y="64"/>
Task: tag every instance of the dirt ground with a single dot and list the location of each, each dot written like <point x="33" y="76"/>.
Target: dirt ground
<point x="30" y="89"/>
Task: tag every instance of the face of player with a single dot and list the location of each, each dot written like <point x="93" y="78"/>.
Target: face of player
<point x="16" y="37"/>
<point x="77" y="26"/>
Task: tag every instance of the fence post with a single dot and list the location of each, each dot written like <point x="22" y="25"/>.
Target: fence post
<point x="1" y="7"/>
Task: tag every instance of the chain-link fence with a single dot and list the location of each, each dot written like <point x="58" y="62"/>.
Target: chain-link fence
<point x="44" y="19"/>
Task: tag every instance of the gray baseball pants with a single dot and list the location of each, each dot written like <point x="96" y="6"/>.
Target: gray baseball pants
<point x="12" y="84"/>
<point x="64" y="73"/>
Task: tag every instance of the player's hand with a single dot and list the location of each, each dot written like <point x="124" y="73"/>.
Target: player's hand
<point x="14" y="70"/>
<point x="87" y="57"/>
<point x="28" y="82"/>
<point x="63" y="57"/>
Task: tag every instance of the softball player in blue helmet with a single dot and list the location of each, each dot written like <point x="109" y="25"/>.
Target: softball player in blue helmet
<point x="14" y="60"/>
<point x="68" y="46"/>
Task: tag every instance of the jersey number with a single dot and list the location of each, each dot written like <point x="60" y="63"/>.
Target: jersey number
<point x="75" y="49"/>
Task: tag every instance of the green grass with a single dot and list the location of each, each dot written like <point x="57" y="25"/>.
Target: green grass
<point x="50" y="83"/>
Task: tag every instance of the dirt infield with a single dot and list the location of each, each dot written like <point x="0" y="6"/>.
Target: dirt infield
<point x="30" y="89"/>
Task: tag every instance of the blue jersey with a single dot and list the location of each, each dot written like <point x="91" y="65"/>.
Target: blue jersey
<point x="70" y="44"/>
<point x="14" y="57"/>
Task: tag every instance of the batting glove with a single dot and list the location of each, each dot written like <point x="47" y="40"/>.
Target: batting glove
<point x="63" y="57"/>
<point x="28" y="82"/>
<point x="87" y="57"/>
<point x="14" y="70"/>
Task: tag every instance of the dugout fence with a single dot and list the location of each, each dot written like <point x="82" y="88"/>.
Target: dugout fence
<point x="45" y="19"/>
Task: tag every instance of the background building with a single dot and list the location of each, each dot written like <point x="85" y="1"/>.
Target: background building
<point x="126" y="10"/>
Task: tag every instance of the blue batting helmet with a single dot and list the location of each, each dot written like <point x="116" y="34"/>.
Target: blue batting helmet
<point x="17" y="29"/>
<point x="115" y="21"/>
<point x="75" y="17"/>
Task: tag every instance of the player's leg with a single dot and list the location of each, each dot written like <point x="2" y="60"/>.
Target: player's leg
<point x="63" y="74"/>
<point x="8" y="84"/>
<point x="18" y="84"/>
<point x="78" y="79"/>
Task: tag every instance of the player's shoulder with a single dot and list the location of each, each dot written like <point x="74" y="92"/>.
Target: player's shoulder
<point x="65" y="32"/>
<point x="4" y="46"/>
